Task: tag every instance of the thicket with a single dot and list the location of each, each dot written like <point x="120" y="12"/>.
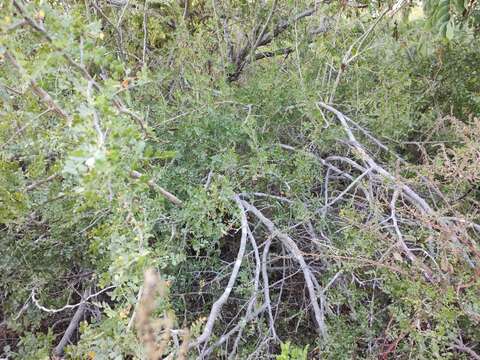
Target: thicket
<point x="239" y="179"/>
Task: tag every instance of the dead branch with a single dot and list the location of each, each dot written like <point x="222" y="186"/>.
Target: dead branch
<point x="410" y="194"/>
<point x="253" y="298"/>
<point x="344" y="192"/>
<point x="217" y="305"/>
<point x="348" y="57"/>
<point x="268" y="54"/>
<point x="292" y="247"/>
<point x="460" y="346"/>
<point x="415" y="199"/>
<point x="236" y="328"/>
<point x="83" y="301"/>
<point x="403" y="246"/>
<point x="36" y="184"/>
<point x="266" y="287"/>
<point x="264" y="38"/>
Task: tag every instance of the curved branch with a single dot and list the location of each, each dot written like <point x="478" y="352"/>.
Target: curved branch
<point x="217" y="306"/>
<point x="84" y="300"/>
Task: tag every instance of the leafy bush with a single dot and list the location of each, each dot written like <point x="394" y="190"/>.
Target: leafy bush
<point x="296" y="175"/>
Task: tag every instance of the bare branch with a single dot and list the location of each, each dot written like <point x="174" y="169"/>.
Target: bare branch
<point x="236" y="328"/>
<point x="459" y="345"/>
<point x="297" y="254"/>
<point x="265" y="38"/>
<point x="284" y="25"/>
<point x="347" y="189"/>
<point x="348" y="57"/>
<point x="66" y="307"/>
<point x="410" y="194"/>
<point x="217" y="305"/>
<point x="36" y="184"/>
<point x="411" y="256"/>
<point x="268" y="54"/>
<point x="266" y="287"/>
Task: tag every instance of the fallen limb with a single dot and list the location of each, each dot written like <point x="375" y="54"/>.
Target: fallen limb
<point x="217" y="305"/>
<point x="292" y="247"/>
<point x="403" y="246"/>
<point x="266" y="287"/>
<point x="410" y="194"/>
<point x="414" y="198"/>
<point x="256" y="281"/>
<point x="236" y="328"/>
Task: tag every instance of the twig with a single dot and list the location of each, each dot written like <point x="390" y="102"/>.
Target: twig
<point x="253" y="298"/>
<point x="168" y="195"/>
<point x="16" y="92"/>
<point x="236" y="328"/>
<point x="414" y="198"/>
<point x="348" y="58"/>
<point x="22" y="129"/>
<point x="137" y="304"/>
<point x="459" y="345"/>
<point x="267" y="54"/>
<point x="411" y="256"/>
<point x="96" y="119"/>
<point x="342" y="194"/>
<point x="83" y="301"/>
<point x="36" y="184"/>
<point x="266" y="287"/>
<point x="397" y="7"/>
<point x="209" y="180"/>
<point x="259" y="194"/>
<point x="145" y="30"/>
<point x="265" y="38"/>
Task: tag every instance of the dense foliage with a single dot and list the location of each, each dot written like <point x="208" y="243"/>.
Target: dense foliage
<point x="239" y="179"/>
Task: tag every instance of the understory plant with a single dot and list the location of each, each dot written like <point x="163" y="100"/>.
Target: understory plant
<point x="238" y="179"/>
